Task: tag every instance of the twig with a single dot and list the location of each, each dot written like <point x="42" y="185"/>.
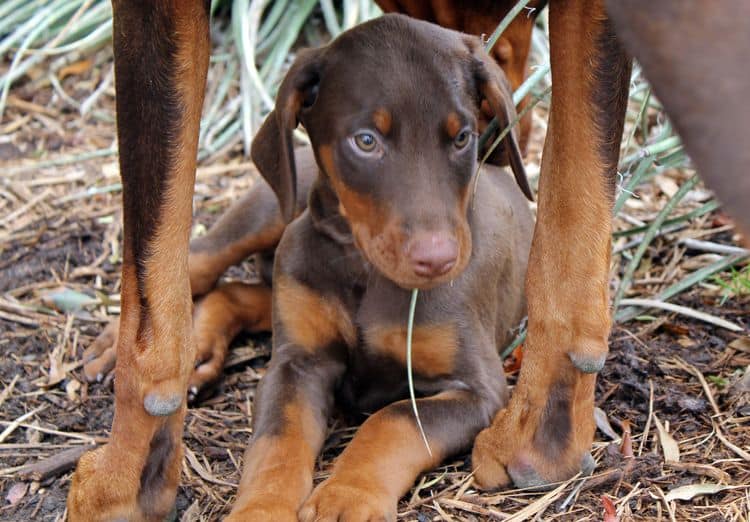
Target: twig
<point x="55" y="465"/>
<point x="8" y="389"/>
<point x="644" y="436"/>
<point x="709" y="246"/>
<point x="12" y="426"/>
<point x="683" y="310"/>
<point x="739" y="451"/>
<point x="86" y="438"/>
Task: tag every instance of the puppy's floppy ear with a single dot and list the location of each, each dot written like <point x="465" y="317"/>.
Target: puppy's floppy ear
<point x="272" y="149"/>
<point x="494" y="87"/>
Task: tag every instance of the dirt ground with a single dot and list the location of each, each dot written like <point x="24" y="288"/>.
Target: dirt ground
<point x="667" y="381"/>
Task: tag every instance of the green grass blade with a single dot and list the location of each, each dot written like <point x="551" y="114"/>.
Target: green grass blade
<point x="504" y="23"/>
<point x="409" y="372"/>
<point x="656" y="224"/>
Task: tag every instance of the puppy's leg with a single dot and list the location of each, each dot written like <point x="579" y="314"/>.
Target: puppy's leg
<point x="218" y="318"/>
<point x="252" y="224"/>
<point x="99" y="358"/>
<point x="161" y="57"/>
<point x="290" y="416"/>
<point x="546" y="431"/>
<point x="387" y="454"/>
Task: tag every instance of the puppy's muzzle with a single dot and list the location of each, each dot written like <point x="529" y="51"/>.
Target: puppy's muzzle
<point x="432" y="254"/>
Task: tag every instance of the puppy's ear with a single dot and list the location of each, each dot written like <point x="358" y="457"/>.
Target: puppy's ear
<point x="493" y="87"/>
<point x="272" y="149"/>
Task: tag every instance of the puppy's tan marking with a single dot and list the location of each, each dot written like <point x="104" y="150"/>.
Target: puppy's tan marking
<point x="453" y="125"/>
<point x="361" y="211"/>
<point x="383" y="121"/>
<point x="278" y="468"/>
<point x="433" y="346"/>
<point x="311" y="320"/>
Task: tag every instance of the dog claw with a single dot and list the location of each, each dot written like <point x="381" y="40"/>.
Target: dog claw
<point x="99" y="377"/>
<point x="587" y="363"/>
<point x="161" y="406"/>
<point x="192" y="394"/>
<point x="524" y="476"/>
<point x="588" y="464"/>
<point x="172" y="517"/>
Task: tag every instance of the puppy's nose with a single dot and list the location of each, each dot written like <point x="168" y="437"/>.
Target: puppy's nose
<point x="432" y="254"/>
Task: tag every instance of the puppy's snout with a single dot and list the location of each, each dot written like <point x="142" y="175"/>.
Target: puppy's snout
<point x="432" y="254"/>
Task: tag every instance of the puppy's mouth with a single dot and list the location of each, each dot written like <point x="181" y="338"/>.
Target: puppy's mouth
<point x="423" y="261"/>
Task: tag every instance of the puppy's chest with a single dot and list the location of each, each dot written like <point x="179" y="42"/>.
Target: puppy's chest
<point x="382" y="318"/>
<point x="376" y="373"/>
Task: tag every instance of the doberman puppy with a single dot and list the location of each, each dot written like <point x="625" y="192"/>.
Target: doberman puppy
<point x="395" y="202"/>
<point x="693" y="55"/>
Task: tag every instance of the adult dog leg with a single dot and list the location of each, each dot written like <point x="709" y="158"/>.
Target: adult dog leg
<point x="161" y="57"/>
<point x="252" y="224"/>
<point x="545" y="433"/>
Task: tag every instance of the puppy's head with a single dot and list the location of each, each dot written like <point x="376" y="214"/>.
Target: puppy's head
<point x="391" y="108"/>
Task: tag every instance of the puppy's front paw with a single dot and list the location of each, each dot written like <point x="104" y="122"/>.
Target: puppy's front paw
<point x="335" y="500"/>
<point x="265" y="512"/>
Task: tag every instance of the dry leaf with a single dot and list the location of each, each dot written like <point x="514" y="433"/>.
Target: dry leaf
<point x="666" y="185"/>
<point x="56" y="367"/>
<point x="602" y="422"/>
<point x="668" y="445"/>
<point x="34" y="436"/>
<point x="71" y="390"/>
<point x="743" y="384"/>
<point x="741" y="344"/>
<point x="75" y="68"/>
<point x="610" y="514"/>
<point x="694" y="490"/>
<point x="16" y="493"/>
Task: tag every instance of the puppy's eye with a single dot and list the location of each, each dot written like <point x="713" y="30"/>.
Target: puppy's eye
<point x="365" y="141"/>
<point x="462" y="139"/>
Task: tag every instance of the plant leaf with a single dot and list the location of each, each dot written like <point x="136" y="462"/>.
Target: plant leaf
<point x="694" y="490"/>
<point x="602" y="422"/>
<point x="668" y="445"/>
